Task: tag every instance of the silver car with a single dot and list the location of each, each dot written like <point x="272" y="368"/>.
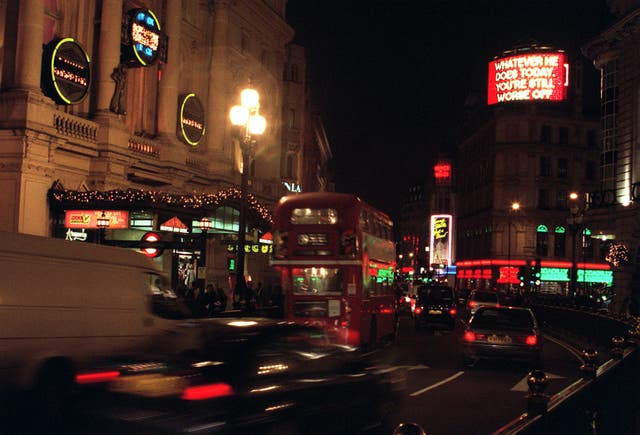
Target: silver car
<point x="482" y="298"/>
<point x="509" y="333"/>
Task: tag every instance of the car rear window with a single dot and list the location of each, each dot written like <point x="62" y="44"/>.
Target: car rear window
<point x="502" y="318"/>
<point x="486" y="297"/>
<point x="436" y="294"/>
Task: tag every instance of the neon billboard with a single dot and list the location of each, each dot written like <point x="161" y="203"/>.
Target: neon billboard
<point x="441" y="239"/>
<point x="528" y="77"/>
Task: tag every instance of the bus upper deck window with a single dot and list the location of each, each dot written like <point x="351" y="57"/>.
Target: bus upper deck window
<point x="314" y="216"/>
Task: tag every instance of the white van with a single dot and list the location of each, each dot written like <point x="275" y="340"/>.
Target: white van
<point x="64" y="304"/>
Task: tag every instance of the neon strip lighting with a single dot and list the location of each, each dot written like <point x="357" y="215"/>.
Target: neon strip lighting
<point x="468" y="263"/>
<point x="545" y="263"/>
<point x="594" y="266"/>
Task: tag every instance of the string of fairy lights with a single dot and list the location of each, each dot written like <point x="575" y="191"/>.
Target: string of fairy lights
<point x="127" y="199"/>
<point x="618" y="254"/>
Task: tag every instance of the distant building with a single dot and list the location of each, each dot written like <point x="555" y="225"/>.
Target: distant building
<point x="534" y="145"/>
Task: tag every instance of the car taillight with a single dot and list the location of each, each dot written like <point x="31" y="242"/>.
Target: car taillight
<point x="96" y="377"/>
<point x="531" y="340"/>
<point x="207" y="391"/>
<point x="472" y="304"/>
<point x="469" y="336"/>
<point x="453" y="311"/>
<point x="418" y="310"/>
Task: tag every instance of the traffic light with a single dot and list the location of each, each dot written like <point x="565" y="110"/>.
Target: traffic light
<point x="231" y="264"/>
<point x="148" y="241"/>
<point x="535" y="272"/>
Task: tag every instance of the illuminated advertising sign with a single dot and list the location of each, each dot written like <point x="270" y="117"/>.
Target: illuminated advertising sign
<point x="442" y="172"/>
<point x="143" y="38"/>
<point x="441" y="238"/>
<point x="528" y="77"/>
<point x="191" y="119"/>
<point x="66" y="72"/>
<point x="118" y="219"/>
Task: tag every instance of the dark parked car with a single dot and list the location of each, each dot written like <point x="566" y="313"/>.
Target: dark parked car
<point x="242" y="376"/>
<point x="435" y="305"/>
<point x="504" y="333"/>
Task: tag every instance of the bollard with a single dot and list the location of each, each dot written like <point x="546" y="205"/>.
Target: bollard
<point x="537" y="400"/>
<point x="590" y="365"/>
<point x="634" y="335"/>
<point x="618" y="347"/>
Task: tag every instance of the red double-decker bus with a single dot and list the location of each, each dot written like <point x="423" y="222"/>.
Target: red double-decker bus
<point x="336" y="256"/>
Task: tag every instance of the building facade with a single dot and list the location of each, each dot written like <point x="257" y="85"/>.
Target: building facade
<point x="518" y="225"/>
<point x="120" y="109"/>
<point x="616" y="200"/>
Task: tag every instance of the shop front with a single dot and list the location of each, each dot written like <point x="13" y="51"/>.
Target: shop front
<point x="193" y="239"/>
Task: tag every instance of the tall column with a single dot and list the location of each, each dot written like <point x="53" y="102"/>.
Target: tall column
<point x="168" y="92"/>
<point x="108" y="57"/>
<point x="29" y="45"/>
<point x="219" y="82"/>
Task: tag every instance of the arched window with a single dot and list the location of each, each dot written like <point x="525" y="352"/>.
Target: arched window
<point x="291" y="166"/>
<point x="542" y="241"/>
<point x="560" y="242"/>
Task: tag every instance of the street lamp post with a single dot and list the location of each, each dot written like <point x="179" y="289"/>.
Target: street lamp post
<point x="574" y="221"/>
<point x="102" y="223"/>
<point x="204" y="224"/>
<point x="247" y="117"/>
<point x="515" y="206"/>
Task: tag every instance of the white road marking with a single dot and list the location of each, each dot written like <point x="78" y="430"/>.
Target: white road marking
<point x="571" y="349"/>
<point x="523" y="386"/>
<point x="437" y="384"/>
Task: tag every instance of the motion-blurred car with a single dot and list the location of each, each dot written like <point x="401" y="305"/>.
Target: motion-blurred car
<point x="482" y="298"/>
<point x="502" y="333"/>
<point x="435" y="305"/>
<point x="243" y="376"/>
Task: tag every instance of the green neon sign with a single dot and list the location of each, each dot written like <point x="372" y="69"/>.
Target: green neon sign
<point x="542" y="229"/>
<point x="589" y="275"/>
<point x="560" y="230"/>
<point x="554" y="274"/>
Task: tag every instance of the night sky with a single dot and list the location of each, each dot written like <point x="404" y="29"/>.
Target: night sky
<point x="391" y="78"/>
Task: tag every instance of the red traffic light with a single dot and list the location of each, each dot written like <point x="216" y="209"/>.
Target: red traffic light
<point x="151" y="237"/>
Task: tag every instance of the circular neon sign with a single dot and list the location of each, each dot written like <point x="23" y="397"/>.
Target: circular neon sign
<point x="191" y="119"/>
<point x="144" y="38"/>
<point x="66" y="72"/>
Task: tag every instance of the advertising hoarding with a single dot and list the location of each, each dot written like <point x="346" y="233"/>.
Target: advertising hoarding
<point x="542" y="76"/>
<point x="441" y="239"/>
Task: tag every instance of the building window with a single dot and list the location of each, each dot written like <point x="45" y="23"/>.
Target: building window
<point x="590" y="170"/>
<point x="561" y="200"/>
<point x="587" y="244"/>
<point x="559" y="244"/>
<point x="292" y="118"/>
<point x="563" y="136"/>
<point x="226" y="219"/>
<point x="608" y="111"/>
<point x="545" y="166"/>
<point x="545" y="134"/>
<point x="291" y="166"/>
<point x="542" y="243"/>
<point x="543" y="199"/>
<point x="563" y="167"/>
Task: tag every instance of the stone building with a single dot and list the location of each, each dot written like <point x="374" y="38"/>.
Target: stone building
<point x="120" y="109"/>
<point x="615" y="53"/>
<point x="534" y="153"/>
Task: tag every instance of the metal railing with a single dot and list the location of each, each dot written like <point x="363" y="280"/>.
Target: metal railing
<point x="606" y="398"/>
